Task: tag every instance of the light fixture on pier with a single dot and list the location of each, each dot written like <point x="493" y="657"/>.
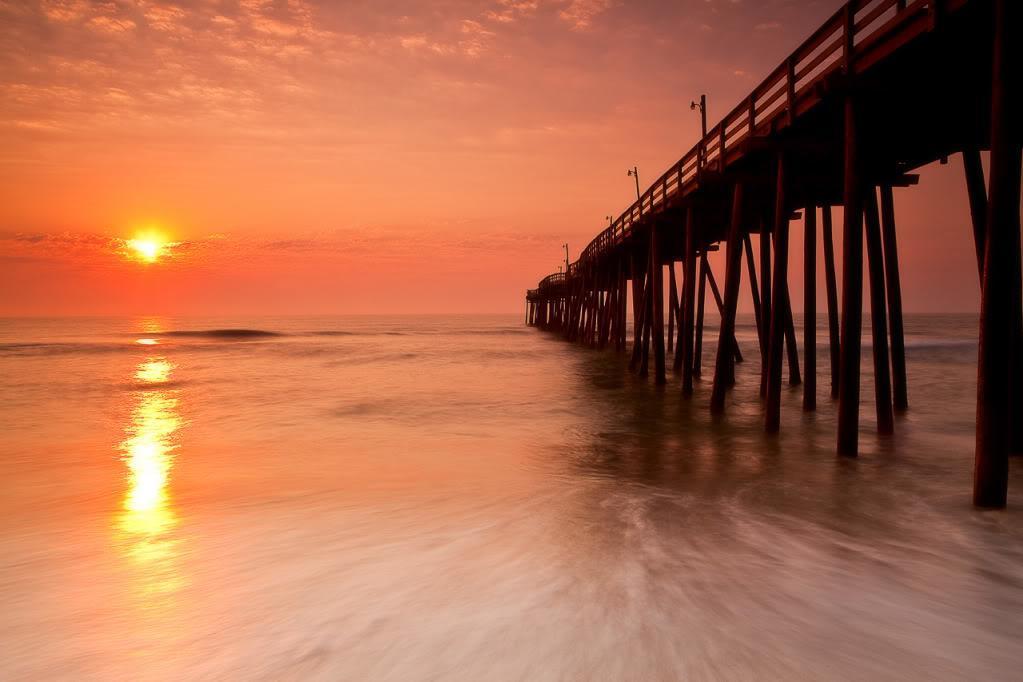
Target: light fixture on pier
<point x="702" y="106"/>
<point x="634" y="173"/>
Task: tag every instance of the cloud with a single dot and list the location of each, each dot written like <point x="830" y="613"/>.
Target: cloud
<point x="510" y="11"/>
<point x="580" y="13"/>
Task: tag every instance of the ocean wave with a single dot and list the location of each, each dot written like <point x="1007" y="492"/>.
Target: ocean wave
<point x="57" y="348"/>
<point x="420" y="332"/>
<point x="220" y="333"/>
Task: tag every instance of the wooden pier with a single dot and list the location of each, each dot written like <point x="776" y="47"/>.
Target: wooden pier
<point x="879" y="90"/>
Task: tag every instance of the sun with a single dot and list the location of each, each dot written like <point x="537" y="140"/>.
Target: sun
<point x="148" y="247"/>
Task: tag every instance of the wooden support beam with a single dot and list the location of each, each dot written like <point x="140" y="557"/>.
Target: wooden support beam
<point x="638" y="291"/>
<point x="1000" y="293"/>
<point x="603" y="306"/>
<point x="723" y="376"/>
<point x="584" y="314"/>
<point x="606" y="327"/>
<point x="612" y="306"/>
<point x="810" y="308"/>
<point x="878" y="315"/>
<point x="772" y="420"/>
<point x="605" y="312"/>
<point x="900" y="391"/>
<point x="834" y="346"/>
<point x="755" y="293"/>
<point x="977" y="195"/>
<point x="672" y="304"/>
<point x="587" y="311"/>
<point x="620" y="309"/>
<point x="648" y="313"/>
<point x="852" y="291"/>
<point x="978" y="212"/>
<point x="765" y="302"/>
<point x="623" y="313"/>
<point x="657" y="305"/>
<point x="790" y="341"/>
<point x="721" y="309"/>
<point x="676" y="362"/>
<point x="684" y="360"/>
<point x="701" y="298"/>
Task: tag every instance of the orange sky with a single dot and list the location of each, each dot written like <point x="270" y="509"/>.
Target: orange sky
<point x="371" y="156"/>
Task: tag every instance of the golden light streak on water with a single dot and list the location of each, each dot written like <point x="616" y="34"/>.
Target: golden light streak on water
<point x="144" y="528"/>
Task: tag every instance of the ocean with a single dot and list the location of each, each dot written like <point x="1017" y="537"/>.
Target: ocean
<point x="466" y="498"/>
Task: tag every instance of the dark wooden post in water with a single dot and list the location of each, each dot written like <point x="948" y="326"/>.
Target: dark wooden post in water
<point x="648" y="313"/>
<point x="834" y="347"/>
<point x="637" y="310"/>
<point x="676" y="363"/>
<point x="685" y="359"/>
<point x="624" y="313"/>
<point x="723" y="377"/>
<point x="878" y="315"/>
<point x="900" y="397"/>
<point x="754" y="292"/>
<point x="657" y="304"/>
<point x="852" y="293"/>
<point x="852" y="258"/>
<point x="721" y="311"/>
<point x="810" y="308"/>
<point x="701" y="301"/>
<point x="978" y="212"/>
<point x="765" y="303"/>
<point x="619" y="307"/>
<point x="790" y="339"/>
<point x="1000" y="290"/>
<point x="772" y="420"/>
<point x="607" y="310"/>
<point x="672" y="304"/>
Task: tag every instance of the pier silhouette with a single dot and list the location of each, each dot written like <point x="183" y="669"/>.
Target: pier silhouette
<point x="882" y="88"/>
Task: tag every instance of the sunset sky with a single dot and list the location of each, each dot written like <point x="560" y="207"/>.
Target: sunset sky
<point x="371" y="156"/>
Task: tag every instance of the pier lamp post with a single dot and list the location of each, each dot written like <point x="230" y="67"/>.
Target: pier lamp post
<point x="565" y="245"/>
<point x="702" y="106"/>
<point x="634" y="173"/>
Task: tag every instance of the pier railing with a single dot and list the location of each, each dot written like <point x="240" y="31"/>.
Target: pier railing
<point x="851" y="40"/>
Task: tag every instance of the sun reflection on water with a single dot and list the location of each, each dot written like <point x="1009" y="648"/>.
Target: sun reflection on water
<point x="145" y="524"/>
<point x="154" y="371"/>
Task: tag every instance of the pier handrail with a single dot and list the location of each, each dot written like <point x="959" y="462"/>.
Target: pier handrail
<point x="843" y="42"/>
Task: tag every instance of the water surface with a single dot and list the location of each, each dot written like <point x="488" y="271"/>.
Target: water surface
<point x="465" y="498"/>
